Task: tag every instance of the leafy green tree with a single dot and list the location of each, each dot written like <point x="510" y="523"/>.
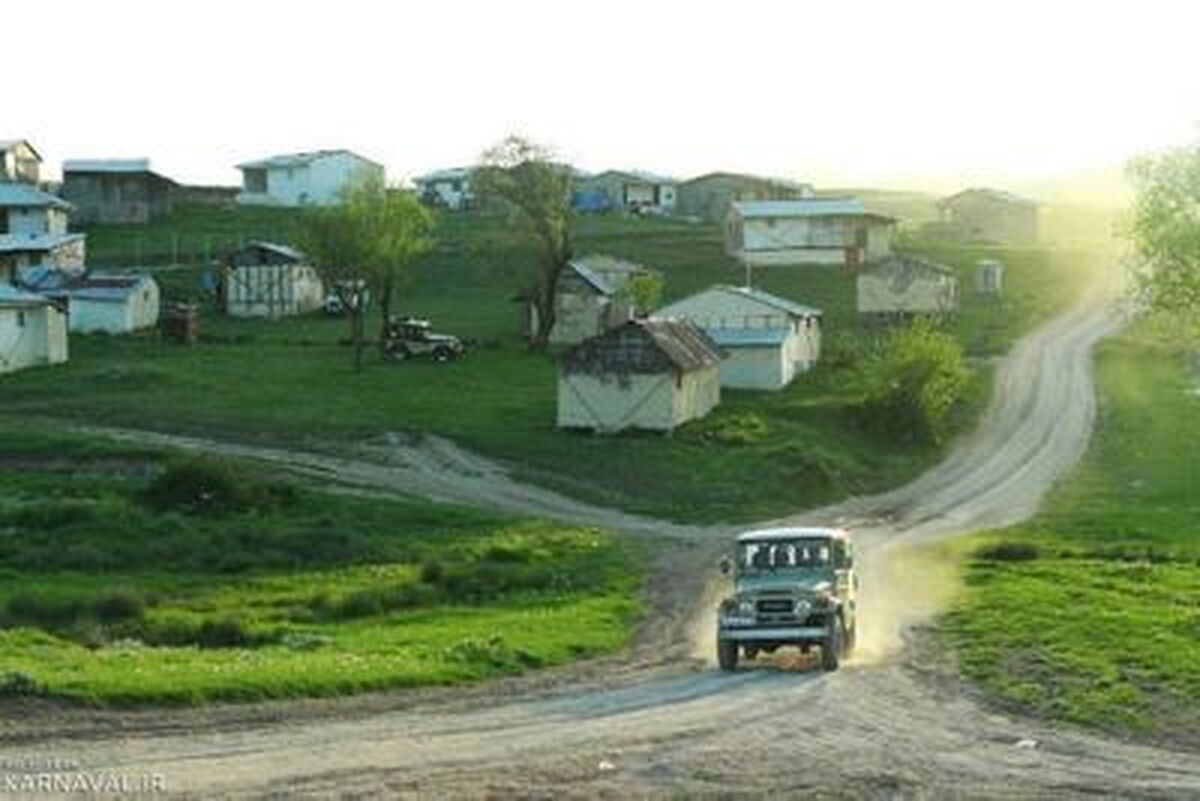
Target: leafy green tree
<point x="1166" y="229"/>
<point x="364" y="247"/>
<point x="523" y="177"/>
<point x="644" y="292"/>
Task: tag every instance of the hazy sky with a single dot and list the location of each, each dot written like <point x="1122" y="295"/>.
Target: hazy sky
<point x="899" y="91"/>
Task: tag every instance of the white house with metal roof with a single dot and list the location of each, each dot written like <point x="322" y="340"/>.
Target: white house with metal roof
<point x="303" y="179"/>
<point x="633" y="190"/>
<point x="33" y="331"/>
<point x="110" y="303"/>
<point x="25" y="209"/>
<point x="591" y="298"/>
<point x="904" y="286"/>
<point x="807" y="231"/>
<point x="768" y="340"/>
<point x="450" y="188"/>
<point x="19" y="161"/>
<point x="267" y="279"/>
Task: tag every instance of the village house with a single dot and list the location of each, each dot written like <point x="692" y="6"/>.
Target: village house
<point x="19" y="162"/>
<point x="631" y="190"/>
<point x="992" y="216"/>
<point x="646" y="374"/>
<point x="450" y="188"/>
<point x="33" y="331"/>
<point x="592" y="297"/>
<point x="902" y="287"/>
<point x="265" y="279"/>
<point x="709" y="196"/>
<point x="116" y="190"/>
<point x="768" y="340"/>
<point x="110" y="303"/>
<point x="810" y="231"/>
<point x="302" y="179"/>
<point x="25" y="209"/>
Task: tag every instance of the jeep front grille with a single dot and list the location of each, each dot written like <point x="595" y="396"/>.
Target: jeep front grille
<point x="775" y="606"/>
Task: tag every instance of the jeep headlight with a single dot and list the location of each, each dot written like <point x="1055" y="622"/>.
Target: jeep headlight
<point x="803" y="607"/>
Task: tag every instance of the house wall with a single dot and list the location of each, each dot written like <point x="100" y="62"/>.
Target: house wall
<point x="35" y="220"/>
<point x="787" y="241"/>
<point x="318" y="182"/>
<point x="446" y="192"/>
<point x="933" y="294"/>
<point x="272" y="290"/>
<point x="20" y="163"/>
<point x="31" y="336"/>
<point x="655" y="402"/>
<point x="69" y="257"/>
<point x="756" y="367"/>
<point x="138" y="310"/>
<point x="697" y="393"/>
<point x="113" y="197"/>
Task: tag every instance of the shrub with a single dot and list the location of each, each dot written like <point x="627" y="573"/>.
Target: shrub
<point x="52" y="515"/>
<point x="20" y="685"/>
<point x="914" y="384"/>
<point x="223" y="633"/>
<point x="1009" y="552"/>
<point x="42" y="610"/>
<point x="735" y="428"/>
<point x="204" y="485"/>
<point x="118" y="606"/>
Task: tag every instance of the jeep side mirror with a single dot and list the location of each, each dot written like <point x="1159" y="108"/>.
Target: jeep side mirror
<point x="726" y="565"/>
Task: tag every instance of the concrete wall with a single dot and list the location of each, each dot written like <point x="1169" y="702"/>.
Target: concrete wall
<point x="789" y="241"/>
<point x="272" y="290"/>
<point x="138" y="311"/>
<point x="31" y="336"/>
<point x="931" y="294"/>
<point x="36" y="220"/>
<point x="761" y="367"/>
<point x="655" y="402"/>
<point x="113" y="197"/>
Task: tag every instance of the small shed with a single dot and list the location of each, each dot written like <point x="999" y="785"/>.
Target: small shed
<point x="989" y="277"/>
<point x="112" y="303"/>
<point x="646" y="374"/>
<point x="768" y="340"/>
<point x="905" y="286"/>
<point x="33" y="331"/>
<point x="591" y="298"/>
<point x="266" y="279"/>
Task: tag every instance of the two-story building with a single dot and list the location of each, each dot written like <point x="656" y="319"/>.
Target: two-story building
<point x="116" y="190"/>
<point x="301" y="179"/>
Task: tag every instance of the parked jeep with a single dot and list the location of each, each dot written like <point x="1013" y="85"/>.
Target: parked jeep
<point x="792" y="587"/>
<point x="409" y="337"/>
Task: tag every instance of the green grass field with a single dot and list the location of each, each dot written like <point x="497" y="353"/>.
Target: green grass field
<point x="1090" y="613"/>
<point x="113" y="593"/>
<point x="758" y="455"/>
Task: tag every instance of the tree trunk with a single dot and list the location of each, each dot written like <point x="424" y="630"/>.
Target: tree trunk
<point x="385" y="311"/>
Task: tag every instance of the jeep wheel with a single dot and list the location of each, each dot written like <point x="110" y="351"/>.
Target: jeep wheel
<point x="442" y="354"/>
<point x="397" y="354"/>
<point x="831" y="648"/>
<point x="727" y="654"/>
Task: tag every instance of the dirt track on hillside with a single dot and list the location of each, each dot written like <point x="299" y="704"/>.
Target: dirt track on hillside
<point x="661" y="722"/>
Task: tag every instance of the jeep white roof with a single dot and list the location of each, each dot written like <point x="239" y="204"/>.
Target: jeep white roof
<point x="770" y="534"/>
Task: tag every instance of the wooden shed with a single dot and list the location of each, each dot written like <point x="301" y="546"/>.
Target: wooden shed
<point x="906" y="286"/>
<point x="646" y="374"/>
<point x="591" y="298"/>
<point x="265" y="279"/>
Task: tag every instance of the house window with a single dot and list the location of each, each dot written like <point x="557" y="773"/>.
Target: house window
<point x="20" y="318"/>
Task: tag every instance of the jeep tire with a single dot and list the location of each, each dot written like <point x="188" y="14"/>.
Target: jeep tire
<point x="727" y="654"/>
<point x="831" y="648"/>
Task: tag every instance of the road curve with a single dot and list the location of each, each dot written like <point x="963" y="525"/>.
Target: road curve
<point x="885" y="729"/>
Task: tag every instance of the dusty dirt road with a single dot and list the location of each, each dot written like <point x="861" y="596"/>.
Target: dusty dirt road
<point x="661" y="721"/>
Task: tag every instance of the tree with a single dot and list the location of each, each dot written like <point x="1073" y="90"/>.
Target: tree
<point x="523" y="178"/>
<point x="1166" y="229"/>
<point x="644" y="292"/>
<point x="397" y="231"/>
<point x="363" y="247"/>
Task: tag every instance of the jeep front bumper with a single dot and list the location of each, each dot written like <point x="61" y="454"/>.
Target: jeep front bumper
<point x="782" y="634"/>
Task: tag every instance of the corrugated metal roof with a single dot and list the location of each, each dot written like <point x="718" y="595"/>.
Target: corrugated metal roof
<point x="448" y="174"/>
<point x="747" y="337"/>
<point x="687" y="347"/>
<point x="589" y="268"/>
<point x="909" y="264"/>
<point x="24" y="195"/>
<point x="805" y="207"/>
<point x="106" y="165"/>
<point x="639" y="175"/>
<point x="20" y="243"/>
<point x="286" y="251"/>
<point x="774" y="301"/>
<point x="785" y="183"/>
<point x="299" y="159"/>
<point x="12" y="296"/>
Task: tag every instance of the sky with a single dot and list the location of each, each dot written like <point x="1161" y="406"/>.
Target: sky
<point x="912" y="93"/>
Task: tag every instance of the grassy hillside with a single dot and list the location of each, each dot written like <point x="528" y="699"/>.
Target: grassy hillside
<point x="120" y="583"/>
<point x="758" y="455"/>
<point x="1089" y="612"/>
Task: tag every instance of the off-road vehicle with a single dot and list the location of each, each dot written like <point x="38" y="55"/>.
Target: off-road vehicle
<point x="792" y="586"/>
<point x="409" y="337"/>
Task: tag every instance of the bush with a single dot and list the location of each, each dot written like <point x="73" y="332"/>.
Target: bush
<point x="1009" y="552"/>
<point x="119" y="605"/>
<point x="734" y="428"/>
<point x="914" y="384"/>
<point x="46" y="611"/>
<point x="203" y="485"/>
<point x="20" y="685"/>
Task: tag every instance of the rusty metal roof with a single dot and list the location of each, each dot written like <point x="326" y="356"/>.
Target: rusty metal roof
<point x="678" y="343"/>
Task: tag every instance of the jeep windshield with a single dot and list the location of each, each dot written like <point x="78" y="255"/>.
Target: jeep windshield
<point x="798" y="554"/>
